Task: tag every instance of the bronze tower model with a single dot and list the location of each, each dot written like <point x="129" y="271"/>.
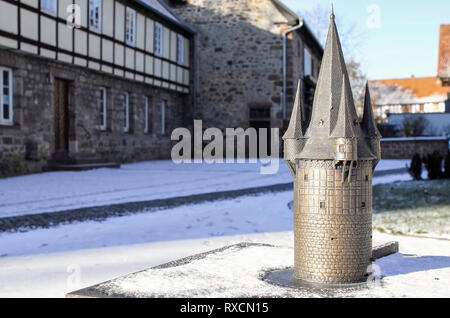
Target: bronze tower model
<point x="332" y="164"/>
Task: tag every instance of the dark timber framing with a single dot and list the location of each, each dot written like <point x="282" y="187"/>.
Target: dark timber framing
<point x="146" y="12"/>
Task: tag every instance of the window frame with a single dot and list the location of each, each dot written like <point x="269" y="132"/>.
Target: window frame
<point x="160" y="38"/>
<point x="132" y="41"/>
<point x="104" y="109"/>
<point x="307" y="53"/>
<point x="126" y="126"/>
<point x="45" y="8"/>
<point x="146" y="114"/>
<point x="92" y="5"/>
<point x="180" y="49"/>
<point x="10" y="120"/>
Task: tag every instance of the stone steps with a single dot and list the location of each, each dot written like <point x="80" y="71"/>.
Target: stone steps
<point x="77" y="162"/>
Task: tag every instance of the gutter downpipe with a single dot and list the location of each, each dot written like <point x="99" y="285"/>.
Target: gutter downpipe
<point x="196" y="72"/>
<point x="285" y="33"/>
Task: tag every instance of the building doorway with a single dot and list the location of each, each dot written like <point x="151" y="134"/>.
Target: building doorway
<point x="61" y="116"/>
<point x="262" y="124"/>
<point x="260" y="118"/>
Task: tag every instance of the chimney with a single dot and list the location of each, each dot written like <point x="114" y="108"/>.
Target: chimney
<point x="444" y="51"/>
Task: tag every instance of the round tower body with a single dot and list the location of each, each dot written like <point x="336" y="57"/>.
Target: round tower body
<point x="333" y="221"/>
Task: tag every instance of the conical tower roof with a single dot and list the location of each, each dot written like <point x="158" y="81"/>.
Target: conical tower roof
<point x="329" y="86"/>
<point x="334" y="113"/>
<point x="295" y="129"/>
<point x="346" y="121"/>
<point x="368" y="122"/>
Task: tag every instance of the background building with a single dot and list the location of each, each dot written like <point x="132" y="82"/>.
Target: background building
<point x="416" y="95"/>
<point x="113" y="89"/>
<point x="239" y="65"/>
<point x="110" y="90"/>
<point x="409" y="96"/>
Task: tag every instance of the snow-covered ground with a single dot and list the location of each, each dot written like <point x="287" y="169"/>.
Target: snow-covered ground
<point x="58" y="191"/>
<point x="52" y="262"/>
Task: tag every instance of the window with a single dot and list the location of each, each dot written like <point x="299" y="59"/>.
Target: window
<point x="130" y="33"/>
<point x="163" y="117"/>
<point x="147" y="114"/>
<point x="103" y="109"/>
<point x="363" y="204"/>
<point x="158" y="39"/>
<point x="6" y="98"/>
<point x="342" y="148"/>
<point x="126" y="118"/>
<point x="180" y="49"/>
<point x="306" y="177"/>
<point x="307" y="63"/>
<point x="260" y="113"/>
<point x="95" y="15"/>
<point x="322" y="205"/>
<point x="49" y="6"/>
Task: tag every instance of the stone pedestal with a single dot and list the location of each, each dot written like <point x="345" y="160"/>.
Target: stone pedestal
<point x="238" y="271"/>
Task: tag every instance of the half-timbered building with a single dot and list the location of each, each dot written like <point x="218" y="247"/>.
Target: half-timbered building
<point x="86" y="82"/>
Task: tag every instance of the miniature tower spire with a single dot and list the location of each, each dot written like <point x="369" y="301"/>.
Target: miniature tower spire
<point x="345" y="117"/>
<point x="293" y="138"/>
<point x="295" y="129"/>
<point x="344" y="135"/>
<point x="333" y="82"/>
<point x="369" y="126"/>
<point x="368" y="121"/>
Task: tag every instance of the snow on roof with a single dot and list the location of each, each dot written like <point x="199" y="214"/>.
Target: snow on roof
<point x="154" y="4"/>
<point x="165" y="11"/>
<point x="408" y="91"/>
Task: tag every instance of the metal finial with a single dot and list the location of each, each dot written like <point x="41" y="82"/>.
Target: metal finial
<point x="332" y="12"/>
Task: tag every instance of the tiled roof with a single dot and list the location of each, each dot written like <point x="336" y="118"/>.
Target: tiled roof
<point x="408" y="90"/>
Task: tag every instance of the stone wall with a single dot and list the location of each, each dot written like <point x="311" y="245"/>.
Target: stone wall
<point x="239" y="60"/>
<point x="406" y="148"/>
<point x="26" y="146"/>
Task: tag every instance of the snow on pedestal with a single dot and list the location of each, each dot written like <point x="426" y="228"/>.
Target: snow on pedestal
<point x="238" y="271"/>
